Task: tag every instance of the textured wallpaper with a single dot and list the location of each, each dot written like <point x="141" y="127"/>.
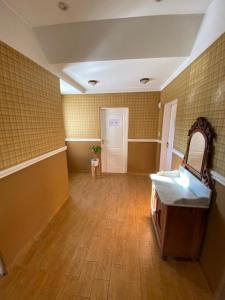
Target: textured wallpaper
<point x="200" y="90"/>
<point x="31" y="120"/>
<point x="81" y="113"/>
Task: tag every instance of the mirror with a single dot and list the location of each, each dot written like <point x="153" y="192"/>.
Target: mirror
<point x="199" y="150"/>
<point x="196" y="151"/>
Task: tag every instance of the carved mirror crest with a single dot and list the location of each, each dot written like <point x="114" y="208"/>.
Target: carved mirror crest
<point x="199" y="149"/>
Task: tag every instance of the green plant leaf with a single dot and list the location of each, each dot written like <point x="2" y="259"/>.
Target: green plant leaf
<point x="95" y="149"/>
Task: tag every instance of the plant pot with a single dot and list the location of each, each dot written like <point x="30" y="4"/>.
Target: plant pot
<point x="95" y="162"/>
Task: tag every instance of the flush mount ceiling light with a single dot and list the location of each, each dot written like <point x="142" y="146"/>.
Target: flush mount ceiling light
<point x="145" y="80"/>
<point x="63" y="6"/>
<point x="92" y="82"/>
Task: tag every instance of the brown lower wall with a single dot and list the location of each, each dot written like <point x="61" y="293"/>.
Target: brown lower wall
<point x="141" y="156"/>
<point x="213" y="254"/>
<point x="79" y="156"/>
<point x="29" y="199"/>
<point x="213" y="251"/>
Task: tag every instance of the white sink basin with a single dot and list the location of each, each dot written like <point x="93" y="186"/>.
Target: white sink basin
<point x="181" y="188"/>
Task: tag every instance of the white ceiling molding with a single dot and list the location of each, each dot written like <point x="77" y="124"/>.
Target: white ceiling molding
<point x="212" y="27"/>
<point x="39" y="13"/>
<point x="16" y="12"/>
<point x="130" y="38"/>
<point x="15" y="32"/>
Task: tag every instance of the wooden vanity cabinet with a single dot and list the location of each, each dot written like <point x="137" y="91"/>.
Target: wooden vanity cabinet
<point x="179" y="230"/>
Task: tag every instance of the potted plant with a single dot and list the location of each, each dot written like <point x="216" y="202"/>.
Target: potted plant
<point x="95" y="162"/>
<point x="96" y="150"/>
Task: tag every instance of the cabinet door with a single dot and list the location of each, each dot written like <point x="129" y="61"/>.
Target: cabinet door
<point x="160" y="218"/>
<point x="154" y="205"/>
<point x="159" y="212"/>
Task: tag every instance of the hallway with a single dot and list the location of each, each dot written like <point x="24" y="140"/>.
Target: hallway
<point x="101" y="245"/>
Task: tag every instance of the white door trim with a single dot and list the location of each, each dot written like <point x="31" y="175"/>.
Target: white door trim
<point x="165" y="160"/>
<point x="125" y="137"/>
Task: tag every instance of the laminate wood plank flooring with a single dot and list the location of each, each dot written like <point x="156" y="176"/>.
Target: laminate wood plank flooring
<point x="101" y="245"/>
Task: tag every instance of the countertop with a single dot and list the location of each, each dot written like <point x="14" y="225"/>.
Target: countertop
<point x="176" y="192"/>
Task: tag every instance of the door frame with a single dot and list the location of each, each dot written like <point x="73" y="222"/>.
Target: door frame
<point x="125" y="137"/>
<point x="167" y="123"/>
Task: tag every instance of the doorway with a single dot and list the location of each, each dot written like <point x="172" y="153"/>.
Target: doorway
<point x="168" y="131"/>
<point x="114" y="139"/>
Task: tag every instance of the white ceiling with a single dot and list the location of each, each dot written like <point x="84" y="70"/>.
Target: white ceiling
<point x="114" y="41"/>
<point x="46" y="12"/>
<point x="130" y="38"/>
<point x="113" y="76"/>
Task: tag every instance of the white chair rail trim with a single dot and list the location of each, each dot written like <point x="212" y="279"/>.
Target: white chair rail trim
<point x="144" y="141"/>
<point x="178" y="153"/>
<point x="216" y="176"/>
<point x="27" y="163"/>
<point x="82" y="139"/>
<point x="98" y="140"/>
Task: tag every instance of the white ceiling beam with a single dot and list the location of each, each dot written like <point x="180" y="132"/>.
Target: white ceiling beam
<point x="68" y="79"/>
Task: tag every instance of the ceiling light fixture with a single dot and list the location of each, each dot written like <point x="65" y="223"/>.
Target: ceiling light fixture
<point x="63" y="6"/>
<point x="145" y="80"/>
<point x="92" y="82"/>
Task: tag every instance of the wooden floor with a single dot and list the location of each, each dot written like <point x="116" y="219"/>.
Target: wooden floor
<point x="101" y="245"/>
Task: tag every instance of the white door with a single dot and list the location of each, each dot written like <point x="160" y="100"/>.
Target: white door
<point x="114" y="139"/>
<point x="168" y="131"/>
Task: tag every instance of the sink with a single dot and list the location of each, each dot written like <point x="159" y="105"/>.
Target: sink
<point x="181" y="188"/>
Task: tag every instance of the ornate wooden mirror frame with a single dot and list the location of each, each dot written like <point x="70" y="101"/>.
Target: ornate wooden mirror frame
<point x="204" y="127"/>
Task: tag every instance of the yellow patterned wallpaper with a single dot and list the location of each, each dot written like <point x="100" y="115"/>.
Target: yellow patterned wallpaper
<point x="200" y="90"/>
<point x="81" y="113"/>
<point x="31" y="121"/>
